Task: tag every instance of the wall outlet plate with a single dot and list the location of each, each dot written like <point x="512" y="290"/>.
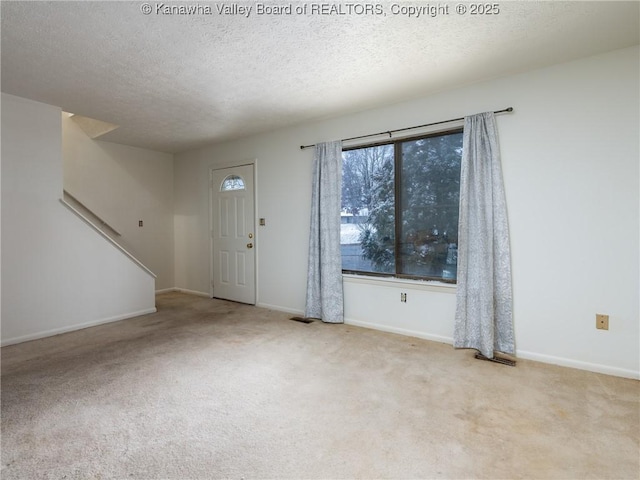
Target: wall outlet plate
<point x="602" y="321"/>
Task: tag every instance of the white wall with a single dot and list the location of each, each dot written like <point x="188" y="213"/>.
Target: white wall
<point x="570" y="160"/>
<point x="123" y="185"/>
<point x="57" y="273"/>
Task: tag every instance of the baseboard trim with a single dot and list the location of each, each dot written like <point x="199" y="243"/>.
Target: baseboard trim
<point x="537" y="357"/>
<point x="165" y="290"/>
<point x="580" y="365"/>
<point x="193" y="292"/>
<point x="280" y="309"/>
<point x="72" y="328"/>
<point x="400" y="331"/>
<point x="183" y="290"/>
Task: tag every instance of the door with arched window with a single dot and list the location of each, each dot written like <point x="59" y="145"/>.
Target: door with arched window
<point x="233" y="236"/>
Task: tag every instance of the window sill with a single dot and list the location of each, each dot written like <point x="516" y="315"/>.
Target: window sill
<point x="424" y="285"/>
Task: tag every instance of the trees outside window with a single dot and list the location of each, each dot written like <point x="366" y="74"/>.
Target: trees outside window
<point x="400" y="207"/>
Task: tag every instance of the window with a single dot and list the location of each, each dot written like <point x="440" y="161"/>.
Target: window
<point x="232" y="182"/>
<point x="400" y="207"/>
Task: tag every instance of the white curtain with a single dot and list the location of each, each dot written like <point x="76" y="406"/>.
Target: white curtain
<point x="324" y="278"/>
<point x="484" y="308"/>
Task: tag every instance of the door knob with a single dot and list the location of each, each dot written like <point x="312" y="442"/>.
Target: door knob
<point x="249" y="245"/>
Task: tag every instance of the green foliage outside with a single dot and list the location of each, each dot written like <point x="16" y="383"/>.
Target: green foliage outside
<point x="429" y="197"/>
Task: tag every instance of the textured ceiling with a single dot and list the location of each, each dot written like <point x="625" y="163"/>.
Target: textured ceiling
<point x="176" y="82"/>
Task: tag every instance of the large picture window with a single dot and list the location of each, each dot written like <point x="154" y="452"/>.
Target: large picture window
<point x="400" y="207"/>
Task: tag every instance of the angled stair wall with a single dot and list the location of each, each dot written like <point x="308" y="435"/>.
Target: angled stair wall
<point x="58" y="273"/>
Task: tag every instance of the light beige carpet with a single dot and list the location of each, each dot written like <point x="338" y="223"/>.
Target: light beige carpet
<point x="212" y="389"/>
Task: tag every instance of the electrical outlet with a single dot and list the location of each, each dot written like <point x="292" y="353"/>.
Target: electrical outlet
<point x="602" y="321"/>
<point x="403" y="297"/>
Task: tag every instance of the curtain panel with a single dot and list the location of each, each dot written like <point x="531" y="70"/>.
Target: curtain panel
<point x="324" y="279"/>
<point x="484" y="305"/>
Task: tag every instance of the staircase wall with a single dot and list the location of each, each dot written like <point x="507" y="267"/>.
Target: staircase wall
<point x="58" y="274"/>
<point x="123" y="185"/>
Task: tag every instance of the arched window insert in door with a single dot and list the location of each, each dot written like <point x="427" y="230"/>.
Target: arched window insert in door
<point x="232" y="182"/>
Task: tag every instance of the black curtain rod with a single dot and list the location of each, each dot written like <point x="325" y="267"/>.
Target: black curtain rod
<point x="391" y="132"/>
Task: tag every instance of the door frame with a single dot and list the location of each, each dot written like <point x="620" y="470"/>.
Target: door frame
<point x="221" y="166"/>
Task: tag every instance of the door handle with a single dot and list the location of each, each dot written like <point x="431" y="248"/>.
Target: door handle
<point x="249" y="245"/>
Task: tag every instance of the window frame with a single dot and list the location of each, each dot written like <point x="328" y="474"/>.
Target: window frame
<point x="397" y="171"/>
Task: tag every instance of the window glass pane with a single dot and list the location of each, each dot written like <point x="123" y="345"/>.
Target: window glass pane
<point x="429" y="204"/>
<point x="232" y="182"/>
<point x="367" y="233"/>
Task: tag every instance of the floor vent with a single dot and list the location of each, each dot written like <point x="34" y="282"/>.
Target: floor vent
<point x="301" y="319"/>
<point x="495" y="359"/>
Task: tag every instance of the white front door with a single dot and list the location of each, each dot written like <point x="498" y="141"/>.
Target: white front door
<point x="233" y="236"/>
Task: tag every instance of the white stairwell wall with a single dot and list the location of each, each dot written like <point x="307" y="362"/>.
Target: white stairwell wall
<point x="58" y="274"/>
<point x="123" y="185"/>
<point x="94" y="219"/>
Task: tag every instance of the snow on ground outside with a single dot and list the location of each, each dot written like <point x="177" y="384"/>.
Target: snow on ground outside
<point x="349" y="234"/>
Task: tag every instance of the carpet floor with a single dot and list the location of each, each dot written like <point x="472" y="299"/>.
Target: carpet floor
<point x="207" y="389"/>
